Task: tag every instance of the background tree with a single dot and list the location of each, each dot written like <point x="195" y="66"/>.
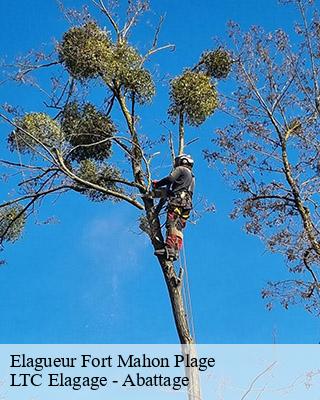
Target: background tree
<point x="75" y="145"/>
<point x="269" y="152"/>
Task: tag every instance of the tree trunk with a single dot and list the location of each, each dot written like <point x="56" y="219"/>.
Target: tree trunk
<point x="182" y="326"/>
<point x="175" y="294"/>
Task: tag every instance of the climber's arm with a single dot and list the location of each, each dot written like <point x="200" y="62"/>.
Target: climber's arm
<point x="163" y="182"/>
<point x="168" y="180"/>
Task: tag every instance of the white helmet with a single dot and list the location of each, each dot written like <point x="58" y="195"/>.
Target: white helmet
<point x="183" y="159"/>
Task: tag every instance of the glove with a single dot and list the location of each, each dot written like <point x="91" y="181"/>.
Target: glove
<point x="154" y="184"/>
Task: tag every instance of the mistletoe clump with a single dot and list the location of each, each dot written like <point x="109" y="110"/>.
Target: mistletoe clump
<point x="88" y="52"/>
<point x="104" y="175"/>
<point x="125" y="68"/>
<point x="12" y="221"/>
<point x="34" y="130"/>
<point x="88" y="130"/>
<point x="85" y="50"/>
<point x="194" y="95"/>
<point x="216" y="63"/>
<point x="88" y="171"/>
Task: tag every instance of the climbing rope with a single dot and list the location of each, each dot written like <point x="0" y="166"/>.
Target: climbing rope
<point x="186" y="292"/>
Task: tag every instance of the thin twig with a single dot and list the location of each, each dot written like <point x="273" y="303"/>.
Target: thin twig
<point x="256" y="378"/>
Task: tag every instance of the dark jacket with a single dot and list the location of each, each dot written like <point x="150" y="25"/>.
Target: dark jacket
<point x="180" y="180"/>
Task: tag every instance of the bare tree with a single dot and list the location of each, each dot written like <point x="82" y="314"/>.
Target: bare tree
<point x="74" y="145"/>
<point x="269" y="151"/>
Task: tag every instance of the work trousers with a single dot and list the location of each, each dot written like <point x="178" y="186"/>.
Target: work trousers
<point x="177" y="217"/>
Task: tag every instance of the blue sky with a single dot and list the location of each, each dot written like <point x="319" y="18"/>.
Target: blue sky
<point x="91" y="278"/>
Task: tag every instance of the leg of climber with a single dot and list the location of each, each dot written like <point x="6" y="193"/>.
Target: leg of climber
<point x="174" y="235"/>
<point x="174" y="242"/>
<point x="169" y="243"/>
<point x="176" y="223"/>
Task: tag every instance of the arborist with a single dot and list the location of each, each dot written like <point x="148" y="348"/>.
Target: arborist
<point x="180" y="187"/>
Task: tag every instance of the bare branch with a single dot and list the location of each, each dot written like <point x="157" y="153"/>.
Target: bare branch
<point x="154" y="49"/>
<point x="181" y="133"/>
<point x="305" y="260"/>
<point x="94" y="186"/>
<point x="20" y="165"/>
<point x="257" y="378"/>
<point x="23" y="72"/>
<point x="37" y="177"/>
<point x="137" y="152"/>
<point x="129" y="24"/>
<point x="105" y="11"/>
<point x="271" y="197"/>
<point x="311" y="55"/>
<point x="191" y="141"/>
<point x="171" y="146"/>
<point x="36" y="195"/>
<point x="282" y="94"/>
